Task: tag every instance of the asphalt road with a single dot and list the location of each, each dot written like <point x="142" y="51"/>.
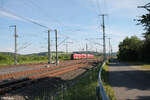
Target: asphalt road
<point x="128" y="82"/>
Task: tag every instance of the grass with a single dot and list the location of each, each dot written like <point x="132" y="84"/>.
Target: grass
<point x="105" y="79"/>
<point x="85" y="89"/>
<point x="22" y="62"/>
<point x="27" y="59"/>
<point x="146" y="66"/>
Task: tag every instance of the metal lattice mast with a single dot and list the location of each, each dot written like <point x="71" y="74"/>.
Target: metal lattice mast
<point x="104" y="42"/>
<point x="49" y="48"/>
<point x="15" y="51"/>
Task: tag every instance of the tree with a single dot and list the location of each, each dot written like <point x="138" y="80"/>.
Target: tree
<point x="145" y="22"/>
<point x="129" y="49"/>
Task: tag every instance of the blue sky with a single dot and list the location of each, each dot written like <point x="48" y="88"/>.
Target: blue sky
<point x="76" y="19"/>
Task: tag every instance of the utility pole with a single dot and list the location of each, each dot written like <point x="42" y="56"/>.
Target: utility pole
<point x="66" y="47"/>
<point x="56" y="47"/>
<point x="96" y="50"/>
<point x="49" y="48"/>
<point x="15" y="51"/>
<point x="111" y="51"/>
<point x="86" y="50"/>
<point x="109" y="48"/>
<point x="104" y="44"/>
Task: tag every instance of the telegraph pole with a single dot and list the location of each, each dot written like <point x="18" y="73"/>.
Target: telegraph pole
<point x="111" y="51"/>
<point x="15" y="36"/>
<point x="49" y="48"/>
<point x="56" y="47"/>
<point x="104" y="44"/>
<point x="66" y="47"/>
<point x="96" y="50"/>
<point x="86" y="50"/>
<point x="109" y="47"/>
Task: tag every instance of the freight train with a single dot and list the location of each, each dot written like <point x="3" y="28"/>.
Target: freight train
<point x="81" y="56"/>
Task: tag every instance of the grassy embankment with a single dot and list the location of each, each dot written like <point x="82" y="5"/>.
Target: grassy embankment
<point x="146" y="67"/>
<point x="105" y="79"/>
<point x="85" y="89"/>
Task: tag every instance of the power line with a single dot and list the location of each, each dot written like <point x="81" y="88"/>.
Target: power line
<point x="62" y="41"/>
<point x="33" y="4"/>
<point x="67" y="43"/>
<point x="1" y="3"/>
<point x="98" y="6"/>
<point x="26" y="19"/>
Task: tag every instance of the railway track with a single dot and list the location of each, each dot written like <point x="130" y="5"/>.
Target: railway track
<point x="16" y="75"/>
<point x="40" y="75"/>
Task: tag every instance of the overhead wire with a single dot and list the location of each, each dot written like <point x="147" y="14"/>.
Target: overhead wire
<point x="98" y="6"/>
<point x="23" y="18"/>
<point x="1" y="3"/>
<point x="33" y="4"/>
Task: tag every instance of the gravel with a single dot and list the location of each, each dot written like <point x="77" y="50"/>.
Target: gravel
<point x="17" y="69"/>
<point x="45" y="86"/>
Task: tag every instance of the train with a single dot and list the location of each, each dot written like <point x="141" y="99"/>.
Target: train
<point x="81" y="56"/>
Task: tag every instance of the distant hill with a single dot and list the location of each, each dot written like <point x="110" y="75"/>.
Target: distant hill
<point x="37" y="54"/>
<point x="43" y="53"/>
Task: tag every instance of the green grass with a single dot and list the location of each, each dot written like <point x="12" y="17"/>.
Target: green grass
<point x="27" y="59"/>
<point x="11" y="62"/>
<point x="85" y="89"/>
<point x="146" y="66"/>
<point x="105" y="79"/>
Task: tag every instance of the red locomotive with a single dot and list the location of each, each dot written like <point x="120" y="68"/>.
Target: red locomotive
<point x="81" y="56"/>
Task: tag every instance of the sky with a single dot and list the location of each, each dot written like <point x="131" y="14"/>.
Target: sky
<point x="77" y="21"/>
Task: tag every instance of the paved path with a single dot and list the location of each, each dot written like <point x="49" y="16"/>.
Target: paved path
<point x="129" y="83"/>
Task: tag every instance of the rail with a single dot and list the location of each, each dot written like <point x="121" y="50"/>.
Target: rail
<point x="101" y="88"/>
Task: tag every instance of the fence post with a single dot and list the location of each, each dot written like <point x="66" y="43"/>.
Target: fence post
<point x="52" y="97"/>
<point x="62" y="89"/>
<point x="97" y="93"/>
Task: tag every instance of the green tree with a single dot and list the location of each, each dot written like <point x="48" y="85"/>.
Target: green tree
<point x="129" y="49"/>
<point x="145" y="22"/>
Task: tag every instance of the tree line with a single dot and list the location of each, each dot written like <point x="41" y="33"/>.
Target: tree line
<point x="135" y="49"/>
